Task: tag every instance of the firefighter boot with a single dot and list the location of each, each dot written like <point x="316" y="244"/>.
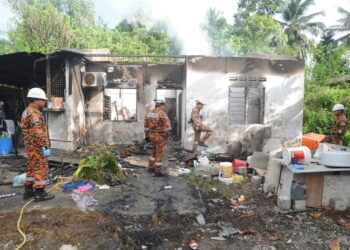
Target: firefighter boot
<point x="28" y="192"/>
<point x="42" y="195"/>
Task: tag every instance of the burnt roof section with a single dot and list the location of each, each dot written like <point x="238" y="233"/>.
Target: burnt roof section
<point x="18" y="69"/>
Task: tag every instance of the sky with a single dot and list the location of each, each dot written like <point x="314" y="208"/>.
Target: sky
<point x="184" y="17"/>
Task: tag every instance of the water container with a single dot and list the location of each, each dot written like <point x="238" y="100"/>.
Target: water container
<point x="298" y="190"/>
<point x="302" y="155"/>
<point x="225" y="170"/>
<point x="5" y="145"/>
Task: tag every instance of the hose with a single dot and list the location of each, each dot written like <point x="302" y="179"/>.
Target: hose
<point x="21" y="215"/>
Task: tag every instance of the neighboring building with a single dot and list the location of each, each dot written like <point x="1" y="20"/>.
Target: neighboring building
<point x="106" y="96"/>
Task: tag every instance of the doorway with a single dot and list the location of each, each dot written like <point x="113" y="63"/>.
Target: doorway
<point x="173" y="106"/>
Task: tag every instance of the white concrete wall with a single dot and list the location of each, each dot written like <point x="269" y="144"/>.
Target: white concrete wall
<point x="336" y="186"/>
<point x="208" y="79"/>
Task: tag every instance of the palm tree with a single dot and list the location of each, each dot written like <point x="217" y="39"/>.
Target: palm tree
<point x="296" y="24"/>
<point x="344" y="26"/>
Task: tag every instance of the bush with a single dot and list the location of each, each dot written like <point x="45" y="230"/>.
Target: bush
<point x="95" y="167"/>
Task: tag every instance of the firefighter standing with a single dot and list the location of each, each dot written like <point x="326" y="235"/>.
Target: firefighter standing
<point x="36" y="140"/>
<point x="199" y="127"/>
<point x="157" y="130"/>
<point x="339" y="128"/>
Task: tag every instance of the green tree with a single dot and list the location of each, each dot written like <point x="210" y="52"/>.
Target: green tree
<point x="47" y="25"/>
<point x="39" y="27"/>
<point x="258" y="34"/>
<point x="296" y="24"/>
<point x="217" y="31"/>
<point x="343" y="26"/>
<point x="261" y="7"/>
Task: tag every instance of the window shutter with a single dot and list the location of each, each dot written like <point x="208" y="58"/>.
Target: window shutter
<point x="254" y="105"/>
<point x="237" y="100"/>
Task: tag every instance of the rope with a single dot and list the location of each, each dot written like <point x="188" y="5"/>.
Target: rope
<point x="21" y="215"/>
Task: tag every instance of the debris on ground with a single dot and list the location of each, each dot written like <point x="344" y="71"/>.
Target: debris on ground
<point x="200" y="219"/>
<point x="344" y="223"/>
<point x="137" y="161"/>
<point x="227" y="229"/>
<point x="68" y="247"/>
<point x="193" y="244"/>
<point x="7" y="195"/>
<point x="334" y="245"/>
<point x="84" y="202"/>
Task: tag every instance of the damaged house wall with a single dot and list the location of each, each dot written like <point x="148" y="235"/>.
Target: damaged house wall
<point x="144" y="78"/>
<point x="228" y="87"/>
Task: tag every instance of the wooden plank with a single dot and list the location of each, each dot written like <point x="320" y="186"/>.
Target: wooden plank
<point x="314" y="184"/>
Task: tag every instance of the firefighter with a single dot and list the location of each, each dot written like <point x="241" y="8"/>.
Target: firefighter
<point x="36" y="141"/>
<point x="157" y="130"/>
<point x="339" y="128"/>
<point x="199" y="127"/>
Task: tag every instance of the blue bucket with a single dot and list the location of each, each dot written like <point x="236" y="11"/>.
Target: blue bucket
<point x="5" y="146"/>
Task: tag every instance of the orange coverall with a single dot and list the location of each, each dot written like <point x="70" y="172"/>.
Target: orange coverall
<point x="35" y="135"/>
<point x="157" y="127"/>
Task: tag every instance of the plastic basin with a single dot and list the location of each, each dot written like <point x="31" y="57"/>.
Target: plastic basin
<point x="5" y="146"/>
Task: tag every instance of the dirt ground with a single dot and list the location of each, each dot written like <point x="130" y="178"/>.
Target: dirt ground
<point x="261" y="225"/>
<point x="141" y="214"/>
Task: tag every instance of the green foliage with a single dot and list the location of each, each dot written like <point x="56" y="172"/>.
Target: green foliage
<point x="258" y="34"/>
<point x="218" y="32"/>
<point x="94" y="167"/>
<point x="296" y="23"/>
<point x="39" y="27"/>
<point x="47" y="25"/>
<point x="261" y="7"/>
<point x="320" y="95"/>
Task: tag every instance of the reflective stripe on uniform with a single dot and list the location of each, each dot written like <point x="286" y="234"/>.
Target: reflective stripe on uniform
<point x="195" y="142"/>
<point x="152" y="159"/>
<point x="40" y="183"/>
<point x="30" y="179"/>
<point x="158" y="164"/>
<point x="153" y="115"/>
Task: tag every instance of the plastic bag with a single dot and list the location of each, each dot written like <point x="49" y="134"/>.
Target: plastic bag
<point x="18" y="180"/>
<point x="203" y="162"/>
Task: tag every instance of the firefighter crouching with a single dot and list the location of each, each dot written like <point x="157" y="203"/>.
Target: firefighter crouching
<point x="36" y="141"/>
<point x="157" y="130"/>
<point x="199" y="127"/>
<point x="339" y="128"/>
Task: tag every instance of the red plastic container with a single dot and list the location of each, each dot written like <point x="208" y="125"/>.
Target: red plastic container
<point x="236" y="163"/>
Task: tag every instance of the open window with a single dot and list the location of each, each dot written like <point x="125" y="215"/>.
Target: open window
<point x="246" y="105"/>
<point x="120" y="105"/>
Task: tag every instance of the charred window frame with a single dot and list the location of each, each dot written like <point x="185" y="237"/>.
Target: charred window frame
<point x="246" y="101"/>
<point x="120" y="104"/>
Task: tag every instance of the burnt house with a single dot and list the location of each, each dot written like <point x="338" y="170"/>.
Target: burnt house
<point x="98" y="97"/>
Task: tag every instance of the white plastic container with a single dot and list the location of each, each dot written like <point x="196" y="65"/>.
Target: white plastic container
<point x="338" y="159"/>
<point x="287" y="155"/>
<point x="320" y="149"/>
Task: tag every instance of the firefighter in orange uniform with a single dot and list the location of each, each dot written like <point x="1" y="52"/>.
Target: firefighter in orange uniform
<point x="339" y="128"/>
<point x="199" y="127"/>
<point x="36" y="140"/>
<point x="157" y="130"/>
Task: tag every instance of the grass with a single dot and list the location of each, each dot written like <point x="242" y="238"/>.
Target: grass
<point x="207" y="184"/>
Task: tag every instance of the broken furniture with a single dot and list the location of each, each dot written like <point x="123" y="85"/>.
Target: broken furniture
<point x="323" y="183"/>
